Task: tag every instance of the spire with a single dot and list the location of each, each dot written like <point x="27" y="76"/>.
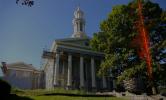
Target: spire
<point x="79" y="24"/>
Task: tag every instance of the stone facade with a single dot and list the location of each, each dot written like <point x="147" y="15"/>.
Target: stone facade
<point x="23" y="76"/>
<point x="72" y="64"/>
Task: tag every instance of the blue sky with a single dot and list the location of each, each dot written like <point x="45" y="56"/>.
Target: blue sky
<point x="25" y="31"/>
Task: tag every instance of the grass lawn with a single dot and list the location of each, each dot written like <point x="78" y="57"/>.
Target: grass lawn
<point x="57" y="97"/>
<point x="73" y="98"/>
<point x="41" y="95"/>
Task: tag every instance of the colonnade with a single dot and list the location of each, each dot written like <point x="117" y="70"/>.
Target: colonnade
<point x="81" y="74"/>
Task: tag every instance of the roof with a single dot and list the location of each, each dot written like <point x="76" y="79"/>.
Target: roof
<point x="79" y="42"/>
<point x="72" y="39"/>
<point x="76" y="45"/>
<point x="21" y="65"/>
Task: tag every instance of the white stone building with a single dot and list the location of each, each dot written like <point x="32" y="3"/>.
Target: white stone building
<point x="23" y="76"/>
<point x="71" y="63"/>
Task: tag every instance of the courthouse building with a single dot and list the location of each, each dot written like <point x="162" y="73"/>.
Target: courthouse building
<point x="71" y="63"/>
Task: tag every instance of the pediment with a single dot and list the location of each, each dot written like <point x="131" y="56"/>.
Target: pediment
<point x="75" y="41"/>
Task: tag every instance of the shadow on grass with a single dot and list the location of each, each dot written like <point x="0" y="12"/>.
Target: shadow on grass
<point x="77" y="95"/>
<point x="15" y="97"/>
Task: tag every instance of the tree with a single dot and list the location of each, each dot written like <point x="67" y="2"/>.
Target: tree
<point x="116" y="40"/>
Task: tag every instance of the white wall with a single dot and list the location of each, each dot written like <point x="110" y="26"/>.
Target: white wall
<point x="20" y="79"/>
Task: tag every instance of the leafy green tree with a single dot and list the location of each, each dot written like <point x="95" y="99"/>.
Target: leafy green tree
<point x="116" y="40"/>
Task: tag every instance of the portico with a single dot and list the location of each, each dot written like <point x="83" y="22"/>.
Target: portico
<point x="78" y="68"/>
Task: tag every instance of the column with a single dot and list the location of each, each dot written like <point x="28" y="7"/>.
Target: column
<point x="63" y="68"/>
<point x="56" y="74"/>
<point x="50" y="73"/>
<point x="63" y="73"/>
<point x="104" y="83"/>
<point x="78" y="27"/>
<point x="81" y="72"/>
<point x="69" y="71"/>
<point x="39" y="82"/>
<point x="93" y="73"/>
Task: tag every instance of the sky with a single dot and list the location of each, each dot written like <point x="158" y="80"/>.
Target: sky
<point x="26" y="31"/>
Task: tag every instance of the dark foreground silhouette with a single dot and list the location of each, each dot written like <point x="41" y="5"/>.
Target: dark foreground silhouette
<point x="14" y="97"/>
<point x="5" y="89"/>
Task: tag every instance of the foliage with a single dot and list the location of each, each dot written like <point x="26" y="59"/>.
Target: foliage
<point x="116" y="40"/>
